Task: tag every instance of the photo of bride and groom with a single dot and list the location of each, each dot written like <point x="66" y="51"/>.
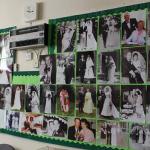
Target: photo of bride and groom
<point x="109" y="67"/>
<point x="133" y="103"/>
<point x="87" y="35"/>
<point x="140" y="137"/>
<point x="66" y="35"/>
<point x="112" y="133"/>
<point x="82" y="130"/>
<point x="108" y="102"/>
<point x="65" y="100"/>
<point x="86" y="67"/>
<point x="134" y="66"/>
<point x="86" y="101"/>
<point x="65" y="68"/>
<point x="109" y="32"/>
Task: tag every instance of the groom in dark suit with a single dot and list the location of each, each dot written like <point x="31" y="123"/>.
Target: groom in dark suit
<point x="129" y="25"/>
<point x="74" y="130"/>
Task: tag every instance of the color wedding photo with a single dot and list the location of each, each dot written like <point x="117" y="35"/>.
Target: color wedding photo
<point x="109" y="67"/>
<point x="108" y="102"/>
<point x="133" y="103"/>
<point x="112" y="133"/>
<point x="66" y="35"/>
<point x="65" y="100"/>
<point x="86" y="67"/>
<point x="134" y="28"/>
<point x="55" y="126"/>
<point x="109" y="32"/>
<point x="81" y="129"/>
<point x="87" y="35"/>
<point x="86" y="101"/>
<point x="48" y="99"/>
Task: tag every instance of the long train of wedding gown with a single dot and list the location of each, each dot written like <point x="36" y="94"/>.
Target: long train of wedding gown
<point x="48" y="102"/>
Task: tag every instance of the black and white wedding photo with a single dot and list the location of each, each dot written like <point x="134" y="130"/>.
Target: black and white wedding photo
<point x="2" y="118"/>
<point x="148" y="28"/>
<point x="109" y="32"/>
<point x="48" y="99"/>
<point x="134" y="65"/>
<point x="6" y="70"/>
<point x="65" y="73"/>
<point x="112" y="133"/>
<point x="148" y="64"/>
<point x="18" y="97"/>
<point x="5" y="97"/>
<point x="32" y="93"/>
<point x="86" y="67"/>
<point x="139" y="137"/>
<point x="31" y="123"/>
<point x="66" y="36"/>
<point x="133" y="103"/>
<point x="87" y="35"/>
<point x="83" y="130"/>
<point x="108" y="102"/>
<point x="65" y="100"/>
<point x="109" y="67"/>
<point x="134" y="28"/>
<point x="55" y="126"/>
<point x="86" y="101"/>
<point x="147" y="105"/>
<point x="47" y="69"/>
<point x="12" y="120"/>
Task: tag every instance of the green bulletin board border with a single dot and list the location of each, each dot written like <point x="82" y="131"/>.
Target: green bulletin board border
<point x="51" y="47"/>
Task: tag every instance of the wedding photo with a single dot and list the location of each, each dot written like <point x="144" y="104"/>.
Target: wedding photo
<point x="109" y="67"/>
<point x="112" y="133"/>
<point x="65" y="100"/>
<point x="6" y="70"/>
<point x="139" y="137"/>
<point x="5" y="97"/>
<point x="147" y="105"/>
<point x="134" y="28"/>
<point x="134" y="64"/>
<point x="108" y="102"/>
<point x="66" y="36"/>
<point x="12" y="120"/>
<point x="83" y="130"/>
<point x="148" y="28"/>
<point x="2" y="118"/>
<point x="31" y="123"/>
<point x="87" y="34"/>
<point x="109" y="33"/>
<point x="48" y="99"/>
<point x="32" y="94"/>
<point x="133" y="103"/>
<point x="148" y="63"/>
<point x="65" y="67"/>
<point x="47" y="69"/>
<point x="55" y="126"/>
<point x="86" y="101"/>
<point x="18" y="97"/>
<point x="86" y="67"/>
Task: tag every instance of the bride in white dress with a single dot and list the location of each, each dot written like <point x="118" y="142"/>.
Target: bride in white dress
<point x="109" y="109"/>
<point x="17" y="99"/>
<point x="147" y="140"/>
<point x="114" y="135"/>
<point x="89" y="74"/>
<point x="91" y="42"/>
<point x="88" y="104"/>
<point x="141" y="133"/>
<point x="48" y="104"/>
<point x="60" y="76"/>
<point x="35" y="102"/>
<point x="7" y="95"/>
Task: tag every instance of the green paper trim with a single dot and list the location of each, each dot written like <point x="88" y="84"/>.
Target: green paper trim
<point x="62" y="142"/>
<point x="26" y="73"/>
<point x="6" y="30"/>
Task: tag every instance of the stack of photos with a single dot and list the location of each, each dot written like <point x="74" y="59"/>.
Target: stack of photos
<point x="93" y="88"/>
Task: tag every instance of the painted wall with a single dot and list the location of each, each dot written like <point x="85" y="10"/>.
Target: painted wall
<point x="11" y="13"/>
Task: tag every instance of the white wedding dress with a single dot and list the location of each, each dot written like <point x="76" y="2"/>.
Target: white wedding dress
<point x="48" y="102"/>
<point x="35" y="104"/>
<point x="140" y="141"/>
<point x="17" y="100"/>
<point x="113" y="136"/>
<point x="60" y="77"/>
<point x="147" y="140"/>
<point x="88" y="104"/>
<point x="7" y="98"/>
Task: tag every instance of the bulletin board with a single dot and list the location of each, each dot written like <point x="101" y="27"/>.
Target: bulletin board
<point x="91" y="89"/>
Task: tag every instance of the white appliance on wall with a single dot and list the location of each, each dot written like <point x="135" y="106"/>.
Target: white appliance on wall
<point x="29" y="37"/>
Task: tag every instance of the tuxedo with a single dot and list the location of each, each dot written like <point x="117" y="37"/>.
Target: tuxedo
<point x="81" y="101"/>
<point x="59" y="40"/>
<point x="82" y="67"/>
<point x="105" y="29"/>
<point x="72" y="132"/>
<point x="129" y="28"/>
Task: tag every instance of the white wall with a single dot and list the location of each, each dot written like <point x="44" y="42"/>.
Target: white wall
<point x="11" y="13"/>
